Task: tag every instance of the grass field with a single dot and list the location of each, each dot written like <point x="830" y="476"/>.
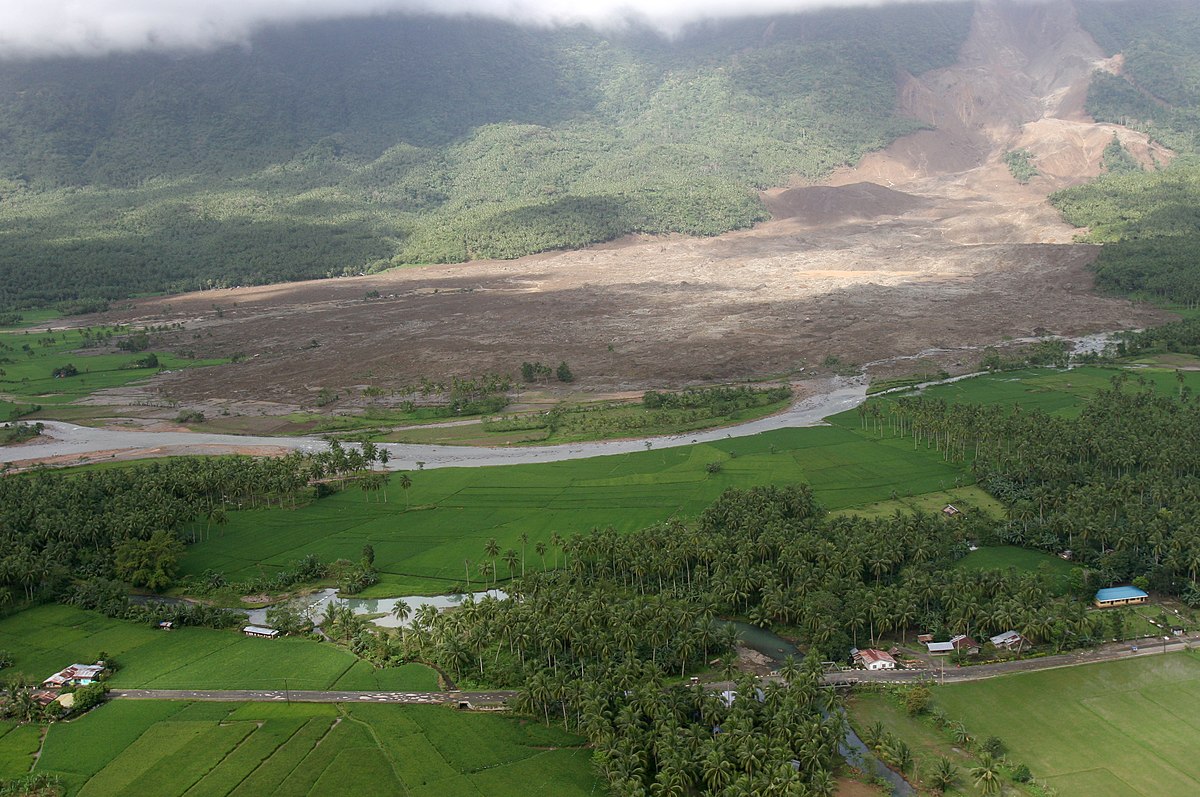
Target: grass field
<point x="421" y="539"/>
<point x="10" y="411"/>
<point x="963" y="498"/>
<point x="31" y="318"/>
<point x="45" y="639"/>
<point x="168" y="749"/>
<point x="1002" y="557"/>
<point x="579" y="422"/>
<point x="1053" y="391"/>
<point x="928" y="744"/>
<point x="1171" y="360"/>
<point x="1117" y="729"/>
<point x="28" y="360"/>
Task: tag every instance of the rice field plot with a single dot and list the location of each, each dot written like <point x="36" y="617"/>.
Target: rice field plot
<point x="962" y="498"/>
<point x="172" y="749"/>
<point x="18" y="746"/>
<point x="431" y="537"/>
<point x="45" y="639"/>
<point x="1119" y="728"/>
<point x="366" y="677"/>
<point x="78" y="750"/>
<point x="438" y="751"/>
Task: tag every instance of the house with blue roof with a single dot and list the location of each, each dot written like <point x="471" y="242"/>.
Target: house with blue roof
<point x="1119" y="596"/>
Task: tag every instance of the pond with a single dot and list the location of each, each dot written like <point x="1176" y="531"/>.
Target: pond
<point x="313" y="606"/>
<point x="766" y="642"/>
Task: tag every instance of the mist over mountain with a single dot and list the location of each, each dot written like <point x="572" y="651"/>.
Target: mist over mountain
<point x="338" y="147"/>
<point x="61" y="27"/>
<point x="332" y="147"/>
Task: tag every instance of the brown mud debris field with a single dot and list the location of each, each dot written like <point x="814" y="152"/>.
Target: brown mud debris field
<point x="928" y="244"/>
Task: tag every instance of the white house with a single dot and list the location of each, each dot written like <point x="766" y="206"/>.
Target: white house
<point x="874" y="659"/>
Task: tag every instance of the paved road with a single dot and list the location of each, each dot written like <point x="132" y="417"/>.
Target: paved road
<point x="952" y="674"/>
<point x="69" y="440"/>
<point x="306" y="696"/>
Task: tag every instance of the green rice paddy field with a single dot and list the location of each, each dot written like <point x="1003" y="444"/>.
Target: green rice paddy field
<point x="423" y="537"/>
<point x="169" y="749"/>
<point x="1117" y="729"/>
<point x="45" y="639"/>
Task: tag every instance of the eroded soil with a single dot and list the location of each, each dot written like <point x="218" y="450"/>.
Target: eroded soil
<point x="931" y="243"/>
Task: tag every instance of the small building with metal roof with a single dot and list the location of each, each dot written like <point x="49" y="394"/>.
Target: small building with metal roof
<point x="75" y="675"/>
<point x="260" y="631"/>
<point x="1007" y="640"/>
<point x="1119" y="596"/>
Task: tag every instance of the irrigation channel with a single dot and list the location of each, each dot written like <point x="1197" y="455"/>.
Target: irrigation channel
<point x="777" y="649"/>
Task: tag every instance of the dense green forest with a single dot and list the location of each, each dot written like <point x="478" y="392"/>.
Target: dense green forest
<point x="355" y="145"/>
<point x="1148" y="220"/>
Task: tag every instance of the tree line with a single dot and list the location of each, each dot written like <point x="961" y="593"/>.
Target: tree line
<point x="594" y="643"/>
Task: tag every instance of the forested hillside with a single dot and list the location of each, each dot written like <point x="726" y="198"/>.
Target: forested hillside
<point x="1151" y="220"/>
<point x="355" y="145"/>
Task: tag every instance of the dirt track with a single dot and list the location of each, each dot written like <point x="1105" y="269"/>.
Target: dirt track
<point x="928" y="244"/>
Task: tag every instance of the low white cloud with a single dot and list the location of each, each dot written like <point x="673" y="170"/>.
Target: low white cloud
<point x="43" y="27"/>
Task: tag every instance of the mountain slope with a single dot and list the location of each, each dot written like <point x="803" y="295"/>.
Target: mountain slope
<point x="911" y="255"/>
<point x="339" y="148"/>
<point x="1148" y="218"/>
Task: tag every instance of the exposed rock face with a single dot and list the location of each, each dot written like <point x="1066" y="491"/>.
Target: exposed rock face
<point x="1020" y="82"/>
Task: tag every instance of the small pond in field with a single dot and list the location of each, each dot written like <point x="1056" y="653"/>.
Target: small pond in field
<point x="314" y="606"/>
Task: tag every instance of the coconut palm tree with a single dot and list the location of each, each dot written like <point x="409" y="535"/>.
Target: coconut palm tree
<point x="401" y="610"/>
<point x="986" y="774"/>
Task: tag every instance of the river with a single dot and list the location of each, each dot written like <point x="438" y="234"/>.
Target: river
<point x="837" y="394"/>
<point x="67" y="439"/>
<point x="313" y="606"/>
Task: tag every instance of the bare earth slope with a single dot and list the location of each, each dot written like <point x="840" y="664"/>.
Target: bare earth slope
<point x="930" y="243"/>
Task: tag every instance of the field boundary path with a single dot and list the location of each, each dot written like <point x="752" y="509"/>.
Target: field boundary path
<point x="492" y="698"/>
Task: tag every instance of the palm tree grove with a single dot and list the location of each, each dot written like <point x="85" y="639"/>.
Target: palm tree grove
<point x="763" y="399"/>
